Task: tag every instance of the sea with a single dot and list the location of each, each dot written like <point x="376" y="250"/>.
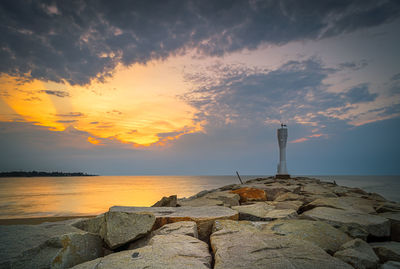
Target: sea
<point x="27" y="197"/>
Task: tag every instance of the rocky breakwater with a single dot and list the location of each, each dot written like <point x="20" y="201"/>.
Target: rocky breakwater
<point x="264" y="223"/>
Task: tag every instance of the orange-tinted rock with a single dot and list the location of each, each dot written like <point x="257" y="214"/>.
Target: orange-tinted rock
<point x="250" y="194"/>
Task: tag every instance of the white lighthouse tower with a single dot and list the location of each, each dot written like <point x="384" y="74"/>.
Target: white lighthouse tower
<point x="282" y="139"/>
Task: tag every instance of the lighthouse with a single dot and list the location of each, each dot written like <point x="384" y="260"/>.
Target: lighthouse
<point x="282" y="139"/>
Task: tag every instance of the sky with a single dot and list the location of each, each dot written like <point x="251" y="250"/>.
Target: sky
<point x="199" y="87"/>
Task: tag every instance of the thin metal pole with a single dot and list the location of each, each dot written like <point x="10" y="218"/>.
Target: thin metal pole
<point x="239" y="177"/>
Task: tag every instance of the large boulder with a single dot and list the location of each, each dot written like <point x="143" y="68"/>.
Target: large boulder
<point x="220" y="198"/>
<point x="320" y="233"/>
<point x="48" y="245"/>
<point x="170" y="201"/>
<point x="295" y="205"/>
<point x="387" y="251"/>
<point x="351" y="221"/>
<point x="394" y="218"/>
<point x="203" y="216"/>
<point x="358" y="254"/>
<point x="250" y="194"/>
<point x="163" y="252"/>
<point x="238" y="249"/>
<point x="182" y="227"/>
<point x="353" y="204"/>
<point x="261" y="211"/>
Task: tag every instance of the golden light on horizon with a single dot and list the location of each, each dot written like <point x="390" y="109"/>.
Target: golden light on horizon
<point x="138" y="105"/>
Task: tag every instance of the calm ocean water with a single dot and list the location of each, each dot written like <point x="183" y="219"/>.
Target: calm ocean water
<point x="66" y="196"/>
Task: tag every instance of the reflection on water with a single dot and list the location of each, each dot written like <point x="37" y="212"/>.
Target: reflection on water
<point x="62" y="196"/>
<point x="71" y="196"/>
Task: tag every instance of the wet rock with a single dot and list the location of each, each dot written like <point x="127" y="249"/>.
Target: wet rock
<point x="394" y="218"/>
<point x="263" y="212"/>
<point x="250" y="194"/>
<point x="262" y="250"/>
<point x="203" y="216"/>
<point x="353" y="204"/>
<point x="48" y="245"/>
<point x="182" y="227"/>
<point x="353" y="222"/>
<point x="164" y="252"/>
<point x="170" y="201"/>
<point x="320" y="233"/>
<point x="358" y="254"/>
<point x="387" y="251"/>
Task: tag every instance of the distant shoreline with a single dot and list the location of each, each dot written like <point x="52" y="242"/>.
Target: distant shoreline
<point x="43" y="174"/>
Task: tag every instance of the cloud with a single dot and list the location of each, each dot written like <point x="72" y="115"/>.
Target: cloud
<point x="360" y="94"/>
<point x="71" y="114"/>
<point x="67" y="121"/>
<point x="56" y="93"/>
<point x="78" y="41"/>
<point x="296" y="93"/>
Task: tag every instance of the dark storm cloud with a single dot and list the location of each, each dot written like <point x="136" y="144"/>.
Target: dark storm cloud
<point x="56" y="93"/>
<point x="81" y="40"/>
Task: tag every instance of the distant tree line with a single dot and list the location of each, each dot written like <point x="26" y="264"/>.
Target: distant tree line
<point x="42" y="174"/>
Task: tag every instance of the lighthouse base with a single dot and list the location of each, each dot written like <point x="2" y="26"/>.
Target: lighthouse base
<point x="282" y="176"/>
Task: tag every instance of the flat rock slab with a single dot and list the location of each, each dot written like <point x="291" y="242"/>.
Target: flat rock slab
<point x="164" y="252"/>
<point x="358" y="254"/>
<point x="263" y="212"/>
<point x="387" y="251"/>
<point x="390" y="265"/>
<point x="203" y="216"/>
<point x="353" y="204"/>
<point x="372" y="224"/>
<point x="262" y="250"/>
<point x="55" y="245"/>
<point x="320" y="233"/>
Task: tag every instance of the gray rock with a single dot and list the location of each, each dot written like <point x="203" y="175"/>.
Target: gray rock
<point x="170" y="201"/>
<point x="394" y="218"/>
<point x="320" y="233"/>
<point x="295" y="205"/>
<point x="288" y="196"/>
<point x="124" y="227"/>
<point x="390" y="265"/>
<point x="48" y="245"/>
<point x="220" y="198"/>
<point x="353" y="204"/>
<point x="387" y="207"/>
<point x="238" y="249"/>
<point x="387" y="251"/>
<point x="182" y="227"/>
<point x="351" y="221"/>
<point x="203" y="216"/>
<point x="164" y="252"/>
<point x="96" y="225"/>
<point x="358" y="254"/>
<point x="263" y="212"/>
